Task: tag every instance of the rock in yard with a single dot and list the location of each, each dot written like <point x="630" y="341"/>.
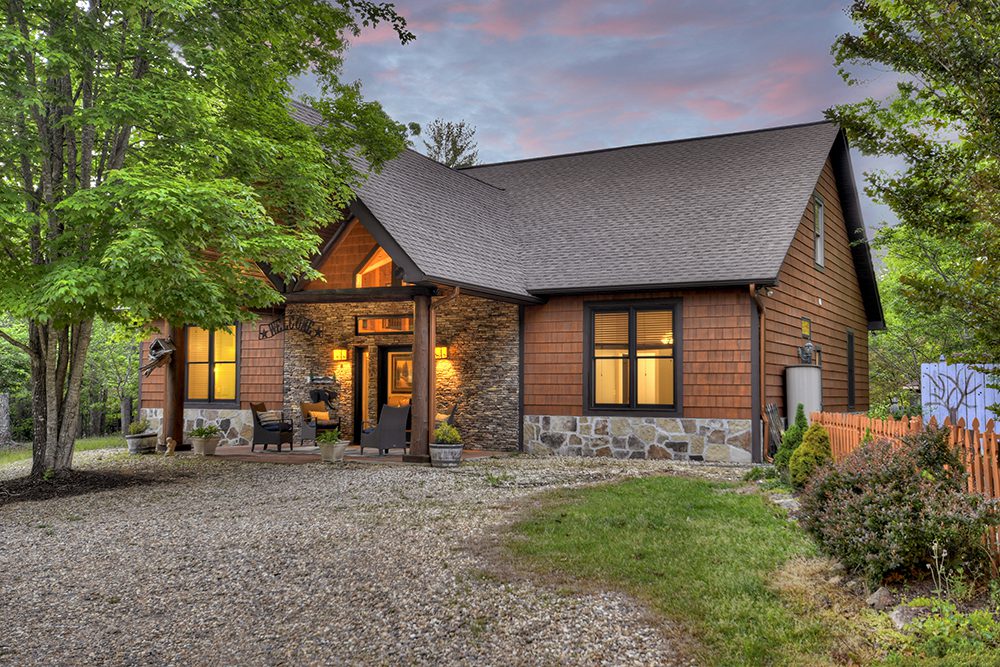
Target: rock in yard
<point x="902" y="616"/>
<point x="881" y="599"/>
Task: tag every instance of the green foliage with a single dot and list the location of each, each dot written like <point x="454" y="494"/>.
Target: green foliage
<point x="329" y="436"/>
<point x="702" y="558"/>
<point x="138" y="427"/>
<point x="791" y="439"/>
<point x="452" y="144"/>
<point x="760" y="473"/>
<point x="947" y="632"/>
<point x="940" y="122"/>
<point x="883" y="509"/>
<point x="446" y="434"/>
<point x="206" y="431"/>
<point x="808" y="457"/>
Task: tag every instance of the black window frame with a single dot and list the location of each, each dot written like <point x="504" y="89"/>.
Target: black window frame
<point x="358" y="318"/>
<point x="211" y="402"/>
<point x="633" y="409"/>
<point x="852" y="382"/>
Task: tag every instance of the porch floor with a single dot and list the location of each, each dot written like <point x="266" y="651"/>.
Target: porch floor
<point x="310" y="454"/>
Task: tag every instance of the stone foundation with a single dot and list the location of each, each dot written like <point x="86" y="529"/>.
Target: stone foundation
<point x="726" y="440"/>
<point x="236" y="425"/>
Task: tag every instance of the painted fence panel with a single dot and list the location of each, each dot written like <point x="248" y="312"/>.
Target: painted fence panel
<point x="956" y="391"/>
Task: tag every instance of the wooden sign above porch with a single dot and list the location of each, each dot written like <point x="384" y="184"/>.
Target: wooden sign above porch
<point x="289" y="323"/>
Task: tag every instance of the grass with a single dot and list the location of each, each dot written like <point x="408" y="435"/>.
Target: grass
<point x="22" y="453"/>
<point x="697" y="554"/>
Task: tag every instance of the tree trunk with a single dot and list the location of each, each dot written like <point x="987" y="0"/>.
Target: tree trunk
<point x="126" y="409"/>
<point x="58" y="356"/>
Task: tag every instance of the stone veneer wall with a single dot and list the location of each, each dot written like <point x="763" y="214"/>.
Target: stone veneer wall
<point x="236" y="425"/>
<point x="480" y="373"/>
<point x="639" y="437"/>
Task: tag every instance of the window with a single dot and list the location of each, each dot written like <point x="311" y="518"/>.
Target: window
<point x="211" y="365"/>
<point x="633" y="361"/>
<point x="373" y="324"/>
<point x="376" y="271"/>
<point x="851" y="381"/>
<point x="819" y="229"/>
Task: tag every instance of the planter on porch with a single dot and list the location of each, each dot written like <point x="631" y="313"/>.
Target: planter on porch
<point x="331" y="447"/>
<point x="446" y="450"/>
<point x="205" y="439"/>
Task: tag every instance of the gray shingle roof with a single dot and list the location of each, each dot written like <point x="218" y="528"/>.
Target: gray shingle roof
<point x="712" y="210"/>
<point x="701" y="211"/>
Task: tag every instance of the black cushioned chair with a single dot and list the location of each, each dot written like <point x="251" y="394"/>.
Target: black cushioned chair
<point x="269" y="433"/>
<point x="390" y="432"/>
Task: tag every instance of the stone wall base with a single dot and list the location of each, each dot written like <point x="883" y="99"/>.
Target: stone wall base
<point x="721" y="440"/>
<point x="236" y="425"/>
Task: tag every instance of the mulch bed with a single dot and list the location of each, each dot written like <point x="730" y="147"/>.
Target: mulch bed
<point x="74" y="483"/>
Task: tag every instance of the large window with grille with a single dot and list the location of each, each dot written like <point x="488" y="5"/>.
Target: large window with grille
<point x="211" y="365"/>
<point x="633" y="357"/>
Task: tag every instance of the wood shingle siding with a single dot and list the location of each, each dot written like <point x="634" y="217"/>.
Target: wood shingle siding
<point x="715" y="348"/>
<point x="801" y="286"/>
<point x="351" y="249"/>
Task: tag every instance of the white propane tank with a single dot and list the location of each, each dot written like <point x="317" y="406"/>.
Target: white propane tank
<point x="803" y="384"/>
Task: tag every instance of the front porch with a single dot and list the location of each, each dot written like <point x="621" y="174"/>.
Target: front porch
<point x="310" y="454"/>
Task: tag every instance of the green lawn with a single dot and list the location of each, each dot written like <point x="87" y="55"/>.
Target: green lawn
<point x="82" y="445"/>
<point x="698" y="555"/>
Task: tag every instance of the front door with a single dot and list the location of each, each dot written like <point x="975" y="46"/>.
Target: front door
<point x="394" y="382"/>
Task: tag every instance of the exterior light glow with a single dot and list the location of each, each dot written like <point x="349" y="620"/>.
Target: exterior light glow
<point x="340" y="354"/>
<point x="441" y="352"/>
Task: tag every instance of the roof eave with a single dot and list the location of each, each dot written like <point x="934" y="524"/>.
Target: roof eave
<point x="655" y="287"/>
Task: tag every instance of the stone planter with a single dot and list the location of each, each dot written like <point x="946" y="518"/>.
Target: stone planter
<point x="141" y="443"/>
<point x="332" y="452"/>
<point x="445" y="456"/>
<point x="205" y="446"/>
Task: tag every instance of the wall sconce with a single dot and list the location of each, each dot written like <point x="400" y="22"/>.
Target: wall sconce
<point x="441" y="352"/>
<point x="340" y="354"/>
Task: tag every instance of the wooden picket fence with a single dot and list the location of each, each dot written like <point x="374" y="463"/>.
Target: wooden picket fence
<point x="978" y="448"/>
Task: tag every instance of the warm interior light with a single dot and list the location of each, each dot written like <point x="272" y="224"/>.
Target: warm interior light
<point x="340" y="354"/>
<point x="668" y="339"/>
<point x="441" y="352"/>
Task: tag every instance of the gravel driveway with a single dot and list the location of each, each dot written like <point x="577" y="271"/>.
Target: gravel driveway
<point x="250" y="564"/>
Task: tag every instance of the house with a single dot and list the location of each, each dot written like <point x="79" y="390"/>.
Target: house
<point x="640" y="301"/>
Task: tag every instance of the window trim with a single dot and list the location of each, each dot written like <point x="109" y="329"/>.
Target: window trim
<point x="380" y="316"/>
<point x="210" y="402"/>
<point x="819" y="231"/>
<point x="396" y="280"/>
<point x="632" y="306"/>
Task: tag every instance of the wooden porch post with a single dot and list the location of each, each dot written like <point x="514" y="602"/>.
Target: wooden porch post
<point x="431" y="374"/>
<point x="173" y="387"/>
<point x="419" y="452"/>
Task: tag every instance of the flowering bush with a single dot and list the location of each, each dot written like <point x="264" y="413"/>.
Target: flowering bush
<point x="881" y="509"/>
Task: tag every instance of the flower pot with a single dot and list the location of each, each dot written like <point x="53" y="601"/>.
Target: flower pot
<point x="205" y="446"/>
<point x="445" y="456"/>
<point x="331" y="452"/>
<point x="141" y="443"/>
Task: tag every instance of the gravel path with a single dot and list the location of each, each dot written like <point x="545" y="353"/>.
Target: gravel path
<point x="256" y="564"/>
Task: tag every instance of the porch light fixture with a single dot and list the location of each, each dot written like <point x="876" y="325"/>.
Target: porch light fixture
<point x="441" y="352"/>
<point x="340" y="354"/>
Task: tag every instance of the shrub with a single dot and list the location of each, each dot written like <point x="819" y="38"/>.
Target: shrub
<point x="810" y="455"/>
<point x="949" y="632"/>
<point x="446" y="434"/>
<point x="791" y="439"/>
<point x="207" y="431"/>
<point x="882" y="509"/>
<point x="138" y="427"/>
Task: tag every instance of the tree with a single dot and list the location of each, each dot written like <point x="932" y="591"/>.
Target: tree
<point x="452" y="144"/>
<point x="942" y="121"/>
<point x="149" y="164"/>
<point x="112" y="372"/>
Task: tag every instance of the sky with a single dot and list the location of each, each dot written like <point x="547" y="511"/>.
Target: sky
<point x="555" y="76"/>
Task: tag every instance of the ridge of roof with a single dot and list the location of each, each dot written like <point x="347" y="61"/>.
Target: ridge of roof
<point x="649" y="144"/>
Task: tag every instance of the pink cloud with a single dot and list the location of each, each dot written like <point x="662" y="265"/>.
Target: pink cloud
<point x="715" y="108"/>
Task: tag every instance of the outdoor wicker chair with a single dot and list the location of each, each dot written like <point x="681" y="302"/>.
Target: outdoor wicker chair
<point x="312" y="427"/>
<point x="390" y="432"/>
<point x="267" y="432"/>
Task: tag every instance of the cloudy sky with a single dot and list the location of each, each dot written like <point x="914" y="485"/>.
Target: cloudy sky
<point x="540" y="77"/>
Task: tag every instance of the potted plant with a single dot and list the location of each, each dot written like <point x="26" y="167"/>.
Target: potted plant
<point x="446" y="450"/>
<point x="140" y="439"/>
<point x="331" y="447"/>
<point x="205" y="439"/>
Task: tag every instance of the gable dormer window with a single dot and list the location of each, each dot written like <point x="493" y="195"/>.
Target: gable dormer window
<point x="819" y="230"/>
<point x="376" y="271"/>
